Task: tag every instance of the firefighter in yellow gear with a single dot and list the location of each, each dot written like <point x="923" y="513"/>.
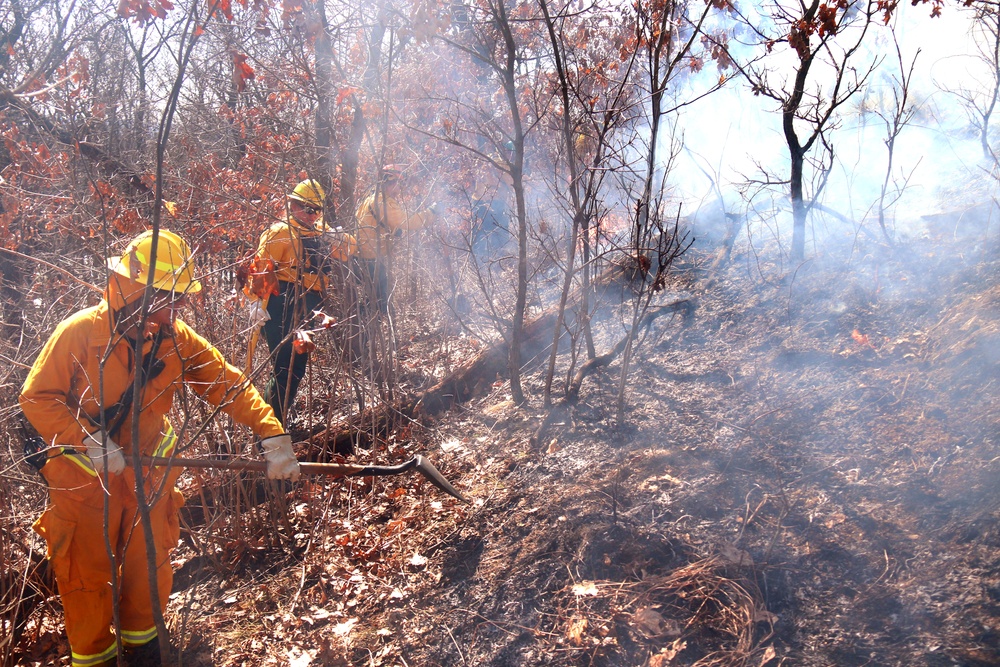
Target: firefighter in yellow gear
<point x="79" y="398"/>
<point x="303" y="251"/>
<point x="380" y="219"/>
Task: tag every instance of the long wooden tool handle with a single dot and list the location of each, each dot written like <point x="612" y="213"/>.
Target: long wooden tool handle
<point x="305" y="467"/>
<point x="418" y="463"/>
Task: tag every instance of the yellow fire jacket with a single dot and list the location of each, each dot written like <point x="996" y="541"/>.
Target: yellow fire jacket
<point x="66" y="386"/>
<point x="304" y="253"/>
<point x="381" y="219"/>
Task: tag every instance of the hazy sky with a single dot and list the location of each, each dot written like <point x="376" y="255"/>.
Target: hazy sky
<point x="731" y="130"/>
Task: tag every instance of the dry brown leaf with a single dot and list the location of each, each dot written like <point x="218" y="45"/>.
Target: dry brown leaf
<point x="499" y="409"/>
<point x="764" y="616"/>
<point x="666" y="479"/>
<point x="574" y="633"/>
<point x="733" y="555"/>
<point x="319" y="613"/>
<point x="303" y="343"/>
<point x="769" y="655"/>
<point x="667" y="654"/>
<point x="652" y="623"/>
<point x="452" y="445"/>
<point x="344" y="629"/>
<point x="554" y="446"/>
<point x="303" y="659"/>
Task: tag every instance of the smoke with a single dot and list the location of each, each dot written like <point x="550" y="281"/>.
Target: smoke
<point x="734" y="139"/>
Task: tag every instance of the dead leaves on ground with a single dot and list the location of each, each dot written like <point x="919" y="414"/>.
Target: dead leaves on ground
<point x="353" y="565"/>
<point x="705" y="613"/>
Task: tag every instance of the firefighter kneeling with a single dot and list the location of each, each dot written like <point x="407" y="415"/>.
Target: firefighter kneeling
<point x="79" y="397"/>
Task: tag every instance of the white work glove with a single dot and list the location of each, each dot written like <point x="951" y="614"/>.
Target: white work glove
<point x="95" y="443"/>
<point x="258" y="313"/>
<point x="281" y="462"/>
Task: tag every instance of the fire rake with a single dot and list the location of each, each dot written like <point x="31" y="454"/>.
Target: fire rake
<point x="417" y="463"/>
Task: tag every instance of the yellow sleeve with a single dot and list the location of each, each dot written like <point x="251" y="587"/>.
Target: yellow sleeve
<point x="275" y="245"/>
<point x="345" y="246"/>
<point x="220" y="383"/>
<point x="47" y="394"/>
<point x="366" y="231"/>
<point x="399" y="219"/>
<point x="396" y="217"/>
<point x="263" y="251"/>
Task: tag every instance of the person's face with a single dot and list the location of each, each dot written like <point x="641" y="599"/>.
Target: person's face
<point x="162" y="313"/>
<point x="304" y="213"/>
<point x="163" y="309"/>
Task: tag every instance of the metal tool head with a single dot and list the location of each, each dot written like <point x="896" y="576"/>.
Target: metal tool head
<point x="427" y="469"/>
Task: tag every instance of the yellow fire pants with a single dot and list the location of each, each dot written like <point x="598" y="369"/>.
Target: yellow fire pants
<point x="73" y="526"/>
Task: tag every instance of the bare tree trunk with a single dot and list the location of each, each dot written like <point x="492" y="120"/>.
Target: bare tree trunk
<point x="809" y="30"/>
<point x="894" y="124"/>
<point x="799" y="209"/>
<point x="517" y="175"/>
<point x="988" y="15"/>
<point x="12" y="290"/>
<point x="478" y="374"/>
<point x="579" y="214"/>
<point x="324" y="100"/>
<point x="349" y="161"/>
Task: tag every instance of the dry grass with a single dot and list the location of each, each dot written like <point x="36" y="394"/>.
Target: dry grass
<point x="705" y="606"/>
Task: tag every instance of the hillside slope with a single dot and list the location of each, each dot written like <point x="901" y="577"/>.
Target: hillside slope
<point x="808" y="476"/>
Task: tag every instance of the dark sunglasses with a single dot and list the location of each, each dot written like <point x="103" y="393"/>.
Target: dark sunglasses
<point x="165" y="297"/>
<point x="311" y="210"/>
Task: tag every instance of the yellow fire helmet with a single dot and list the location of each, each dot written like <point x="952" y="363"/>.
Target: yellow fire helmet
<point x="309" y="192"/>
<point x="172" y="270"/>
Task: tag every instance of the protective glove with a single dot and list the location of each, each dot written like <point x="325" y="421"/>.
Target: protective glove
<point x="258" y="313"/>
<point x="95" y="443"/>
<point x="281" y="461"/>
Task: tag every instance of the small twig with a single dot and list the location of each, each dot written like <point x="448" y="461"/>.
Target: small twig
<point x="61" y="270"/>
<point x="13" y="362"/>
<point x="749" y="516"/>
<point x="777" y="527"/>
<point x="457" y="647"/>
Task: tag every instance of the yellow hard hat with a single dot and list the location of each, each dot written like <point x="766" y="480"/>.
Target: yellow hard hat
<point x="172" y="270"/>
<point x="309" y="192"/>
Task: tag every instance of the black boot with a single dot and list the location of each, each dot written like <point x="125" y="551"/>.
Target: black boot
<point x="145" y="655"/>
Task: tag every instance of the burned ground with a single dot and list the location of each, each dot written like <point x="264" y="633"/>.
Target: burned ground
<point x="807" y="476"/>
